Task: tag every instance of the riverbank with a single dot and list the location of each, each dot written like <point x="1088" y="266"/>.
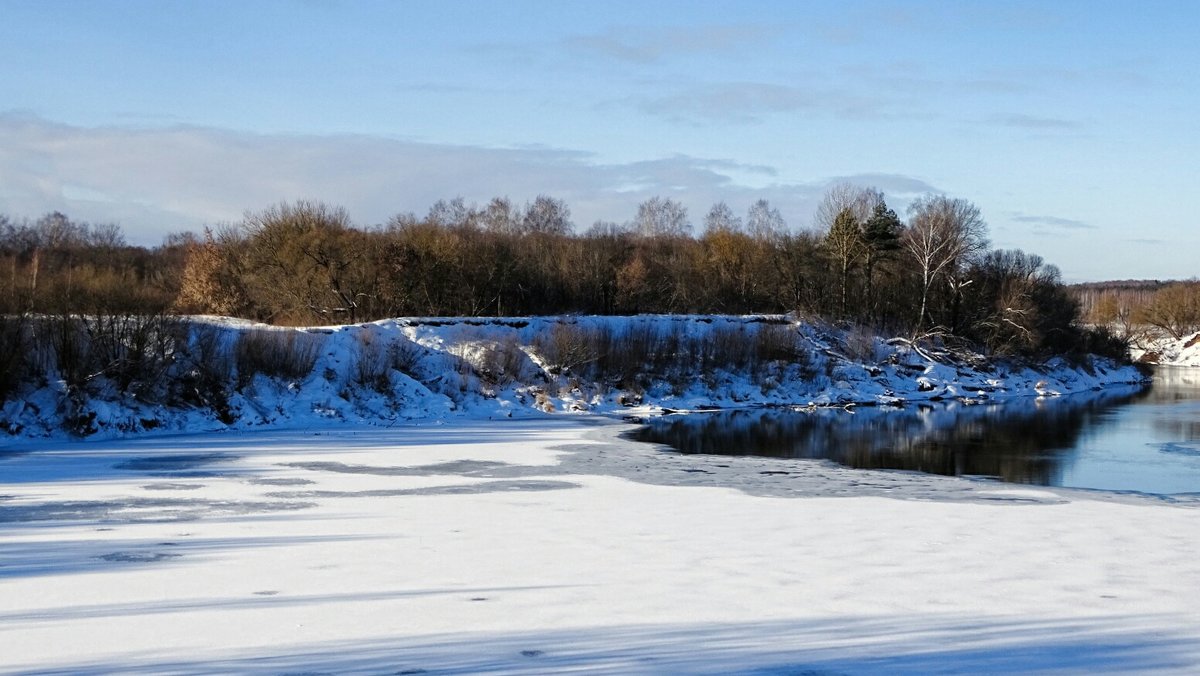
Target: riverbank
<point x="1154" y="346"/>
<point x="510" y="546"/>
<point x="222" y="374"/>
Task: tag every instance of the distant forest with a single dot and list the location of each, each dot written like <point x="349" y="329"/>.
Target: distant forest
<point x="930" y="274"/>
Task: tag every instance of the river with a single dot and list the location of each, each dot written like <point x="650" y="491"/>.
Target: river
<point x="1131" y="438"/>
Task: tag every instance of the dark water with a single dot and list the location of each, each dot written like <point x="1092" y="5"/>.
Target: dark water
<point x="1144" y="439"/>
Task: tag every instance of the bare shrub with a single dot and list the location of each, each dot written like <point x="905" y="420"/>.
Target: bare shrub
<point x="626" y="360"/>
<point x="859" y="345"/>
<point x="727" y="347"/>
<point x="500" y="362"/>
<point x="567" y="348"/>
<point x="14" y="357"/>
<point x="67" y="337"/>
<point x="623" y="360"/>
<point x="289" y="355"/>
<point x="404" y="356"/>
<point x="372" y="363"/>
<point x="779" y="342"/>
<point x="208" y="373"/>
<point x="133" y="349"/>
<point x="667" y="348"/>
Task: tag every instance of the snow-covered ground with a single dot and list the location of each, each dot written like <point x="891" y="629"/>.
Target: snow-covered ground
<point x="1157" y="347"/>
<point x="550" y="545"/>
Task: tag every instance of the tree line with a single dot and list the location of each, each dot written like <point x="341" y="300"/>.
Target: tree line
<point x="1128" y="307"/>
<point x="931" y="273"/>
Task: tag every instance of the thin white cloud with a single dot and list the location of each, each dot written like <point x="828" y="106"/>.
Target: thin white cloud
<point x="1051" y="222"/>
<point x="748" y="102"/>
<point x="1021" y="121"/>
<point x="896" y="186"/>
<point x="643" y="45"/>
<point x="159" y="180"/>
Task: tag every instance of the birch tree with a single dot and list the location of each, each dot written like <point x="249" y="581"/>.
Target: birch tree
<point x="942" y="235"/>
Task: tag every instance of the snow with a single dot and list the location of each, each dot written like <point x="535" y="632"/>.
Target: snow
<point x="549" y="544"/>
<point x="1160" y="348"/>
<point x="490" y="368"/>
<point x="481" y="514"/>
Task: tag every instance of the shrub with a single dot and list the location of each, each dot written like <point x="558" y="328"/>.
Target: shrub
<point x="567" y="348"/>
<point x="1100" y="340"/>
<point x="499" y="362"/>
<point x="208" y="372"/>
<point x="725" y="347"/>
<point x="373" y="362"/>
<point x="289" y="355"/>
<point x="14" y="357"/>
<point x="859" y="345"/>
<point x="404" y="356"/>
<point x="71" y="351"/>
<point x="778" y="342"/>
<point x="134" y="350"/>
<point x="623" y="359"/>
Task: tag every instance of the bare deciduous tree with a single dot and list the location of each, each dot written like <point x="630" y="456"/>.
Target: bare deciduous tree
<point x="500" y="216"/>
<point x="942" y="235"/>
<point x="547" y="216"/>
<point x="764" y="222"/>
<point x="720" y="218"/>
<point x="452" y="214"/>
<point x="1175" y="309"/>
<point x="308" y="252"/>
<point x="662" y="217"/>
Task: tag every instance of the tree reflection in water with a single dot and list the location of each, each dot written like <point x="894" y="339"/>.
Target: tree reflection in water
<point x="1022" y="440"/>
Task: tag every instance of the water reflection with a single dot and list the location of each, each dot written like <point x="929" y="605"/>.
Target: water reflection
<point x="1054" y="442"/>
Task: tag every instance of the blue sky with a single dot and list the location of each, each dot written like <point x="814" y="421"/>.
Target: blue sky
<point x="1073" y="125"/>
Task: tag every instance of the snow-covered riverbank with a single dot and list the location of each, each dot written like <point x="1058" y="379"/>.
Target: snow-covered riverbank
<point x="229" y="374"/>
<point x="514" y="546"/>
<point x="1154" y="346"/>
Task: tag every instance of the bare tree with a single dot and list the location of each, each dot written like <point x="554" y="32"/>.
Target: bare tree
<point x="501" y="216"/>
<point x="662" y="216"/>
<point x="942" y="236"/>
<point x="720" y="218"/>
<point x="607" y="229"/>
<point x="308" y="254"/>
<point x="1175" y="309"/>
<point x="859" y="200"/>
<point x="212" y="279"/>
<point x="764" y="222"/>
<point x="547" y="216"/>
<point x="452" y="214"/>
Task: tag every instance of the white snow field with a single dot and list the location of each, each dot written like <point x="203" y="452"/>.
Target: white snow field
<point x="549" y="545"/>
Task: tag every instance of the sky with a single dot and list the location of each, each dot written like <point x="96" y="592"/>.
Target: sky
<point x="1072" y="125"/>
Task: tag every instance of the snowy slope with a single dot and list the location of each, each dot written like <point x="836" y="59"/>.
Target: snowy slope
<point x="1160" y="348"/>
<point x="436" y="368"/>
